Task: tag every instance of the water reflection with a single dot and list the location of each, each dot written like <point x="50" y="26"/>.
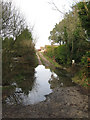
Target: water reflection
<point x="21" y="76"/>
<point x="30" y="88"/>
<point x="40" y="88"/>
<point x="60" y="78"/>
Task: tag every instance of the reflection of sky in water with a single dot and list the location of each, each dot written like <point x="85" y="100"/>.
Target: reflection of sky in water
<point x="40" y="88"/>
<point x="45" y="81"/>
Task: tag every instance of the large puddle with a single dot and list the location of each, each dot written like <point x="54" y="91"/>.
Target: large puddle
<point x="44" y="81"/>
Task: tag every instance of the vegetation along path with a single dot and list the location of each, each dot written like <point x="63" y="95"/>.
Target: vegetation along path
<point x="63" y="102"/>
<point x="52" y="88"/>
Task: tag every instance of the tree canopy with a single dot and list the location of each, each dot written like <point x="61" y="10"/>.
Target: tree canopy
<point x="71" y="31"/>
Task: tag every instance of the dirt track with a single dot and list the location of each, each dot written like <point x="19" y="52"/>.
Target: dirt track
<point x="62" y="103"/>
<point x="68" y="102"/>
<point x="39" y="61"/>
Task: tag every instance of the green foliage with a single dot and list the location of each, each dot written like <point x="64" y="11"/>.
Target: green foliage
<point x="65" y="34"/>
<point x="18" y="52"/>
<point x="50" y="51"/>
<point x="71" y="32"/>
<point x="61" y="54"/>
<point x="84" y="60"/>
<point x="84" y="15"/>
<point x="7" y="43"/>
<point x="25" y="35"/>
<point x="78" y="44"/>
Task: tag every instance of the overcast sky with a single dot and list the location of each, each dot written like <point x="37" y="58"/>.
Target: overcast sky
<point x="39" y="13"/>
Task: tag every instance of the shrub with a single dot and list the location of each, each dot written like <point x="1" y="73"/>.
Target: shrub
<point x="50" y="51"/>
<point x="84" y="60"/>
<point x="61" y="54"/>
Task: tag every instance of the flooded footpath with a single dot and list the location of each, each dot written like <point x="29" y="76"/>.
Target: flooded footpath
<point x="47" y="93"/>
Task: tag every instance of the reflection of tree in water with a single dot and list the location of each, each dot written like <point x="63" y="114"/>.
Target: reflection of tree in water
<point x="60" y="79"/>
<point x="14" y="99"/>
<point x="25" y="78"/>
<point x="53" y="80"/>
<point x="6" y="68"/>
<point x="22" y="74"/>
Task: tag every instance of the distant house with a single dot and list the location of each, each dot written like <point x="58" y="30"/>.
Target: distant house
<point x="42" y="49"/>
<point x="38" y="49"/>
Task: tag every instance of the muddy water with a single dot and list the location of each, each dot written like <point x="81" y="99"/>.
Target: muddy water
<point x="43" y="83"/>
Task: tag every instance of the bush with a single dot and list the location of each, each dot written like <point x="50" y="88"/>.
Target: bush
<point x="84" y="60"/>
<point x="58" y="53"/>
<point x="61" y="54"/>
<point x="20" y="52"/>
<point x="50" y="51"/>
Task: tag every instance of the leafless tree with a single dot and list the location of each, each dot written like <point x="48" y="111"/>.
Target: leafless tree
<point x="12" y="22"/>
<point x="54" y="7"/>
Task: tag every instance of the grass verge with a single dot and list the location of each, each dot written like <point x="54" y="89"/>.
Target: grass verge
<point x="41" y="59"/>
<point x="52" y="61"/>
<point x="82" y="79"/>
<point x="78" y="72"/>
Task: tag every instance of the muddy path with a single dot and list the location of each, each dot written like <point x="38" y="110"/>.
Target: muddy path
<point x="63" y="102"/>
<point x="45" y="61"/>
<point x="39" y="61"/>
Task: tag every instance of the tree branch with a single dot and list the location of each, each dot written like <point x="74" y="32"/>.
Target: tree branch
<point x="55" y="7"/>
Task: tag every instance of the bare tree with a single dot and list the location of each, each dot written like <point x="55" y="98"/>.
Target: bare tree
<point x="12" y="22"/>
<point x="54" y="7"/>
